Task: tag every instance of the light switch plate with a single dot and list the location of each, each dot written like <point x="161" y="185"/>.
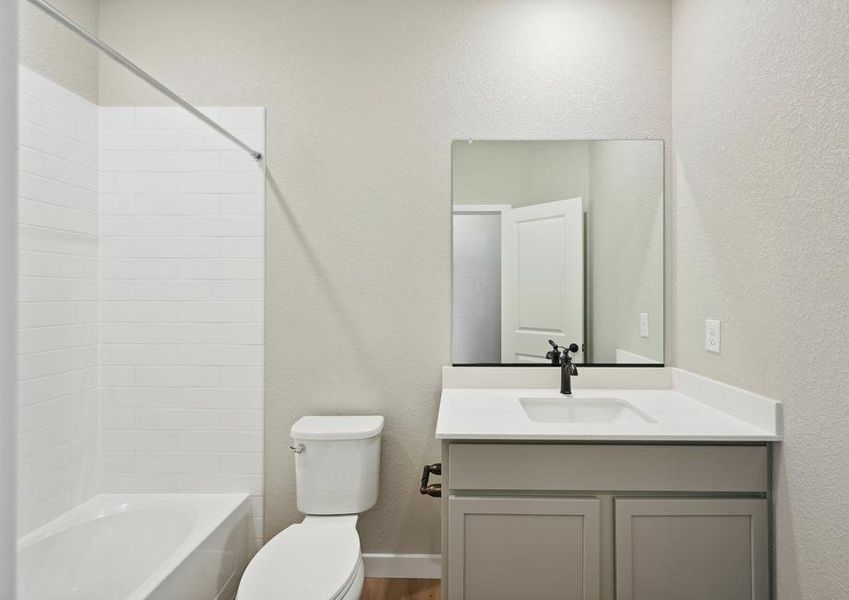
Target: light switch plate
<point x="644" y="324"/>
<point x="712" y="335"/>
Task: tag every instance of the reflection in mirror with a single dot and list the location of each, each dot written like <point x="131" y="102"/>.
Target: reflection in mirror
<point x="562" y="241"/>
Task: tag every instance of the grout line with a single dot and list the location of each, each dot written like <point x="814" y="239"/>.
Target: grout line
<point x="58" y="229"/>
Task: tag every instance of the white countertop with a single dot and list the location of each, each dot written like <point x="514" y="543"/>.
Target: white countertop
<point x="470" y="413"/>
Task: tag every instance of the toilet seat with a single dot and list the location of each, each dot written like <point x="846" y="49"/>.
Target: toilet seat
<point x="318" y="559"/>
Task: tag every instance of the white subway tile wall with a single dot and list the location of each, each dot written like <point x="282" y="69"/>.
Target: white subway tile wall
<point x="58" y="464"/>
<point x="142" y="244"/>
<point x="182" y="226"/>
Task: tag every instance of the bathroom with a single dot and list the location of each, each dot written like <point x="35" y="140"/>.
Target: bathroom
<point x="172" y="305"/>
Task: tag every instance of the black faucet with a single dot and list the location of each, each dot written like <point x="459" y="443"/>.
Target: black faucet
<point x="562" y="356"/>
<point x="554" y="354"/>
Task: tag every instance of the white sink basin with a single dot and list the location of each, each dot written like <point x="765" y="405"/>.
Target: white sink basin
<point x="582" y="410"/>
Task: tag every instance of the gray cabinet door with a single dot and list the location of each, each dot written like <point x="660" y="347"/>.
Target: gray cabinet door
<point x="509" y="548"/>
<point x="691" y="549"/>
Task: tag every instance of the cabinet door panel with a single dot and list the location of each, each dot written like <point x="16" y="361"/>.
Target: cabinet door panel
<point x="508" y="548"/>
<point x="698" y="549"/>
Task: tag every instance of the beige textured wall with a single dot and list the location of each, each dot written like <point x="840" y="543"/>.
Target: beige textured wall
<point x="761" y="129"/>
<point x="364" y="99"/>
<point x="52" y="50"/>
<point x="626" y="225"/>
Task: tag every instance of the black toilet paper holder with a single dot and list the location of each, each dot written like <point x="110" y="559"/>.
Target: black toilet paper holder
<point x="431" y="489"/>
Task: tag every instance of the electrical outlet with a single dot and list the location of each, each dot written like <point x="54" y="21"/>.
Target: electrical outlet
<point x="644" y="324"/>
<point x="712" y="335"/>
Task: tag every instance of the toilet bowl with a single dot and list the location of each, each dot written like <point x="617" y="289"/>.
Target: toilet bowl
<point x="337" y="464"/>
<point x="318" y="558"/>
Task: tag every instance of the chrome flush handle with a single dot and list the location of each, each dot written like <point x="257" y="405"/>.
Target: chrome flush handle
<point x="297" y="448"/>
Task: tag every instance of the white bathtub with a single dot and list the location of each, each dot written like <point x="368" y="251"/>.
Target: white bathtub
<point x="139" y="547"/>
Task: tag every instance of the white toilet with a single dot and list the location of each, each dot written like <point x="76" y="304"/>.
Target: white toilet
<point x="337" y="461"/>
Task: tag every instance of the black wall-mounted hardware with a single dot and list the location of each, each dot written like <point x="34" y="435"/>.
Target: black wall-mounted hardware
<point x="431" y="489"/>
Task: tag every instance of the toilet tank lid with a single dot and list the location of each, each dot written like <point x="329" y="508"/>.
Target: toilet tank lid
<point x="337" y="427"/>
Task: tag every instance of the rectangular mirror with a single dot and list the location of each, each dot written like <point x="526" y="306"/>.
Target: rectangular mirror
<point x="557" y="240"/>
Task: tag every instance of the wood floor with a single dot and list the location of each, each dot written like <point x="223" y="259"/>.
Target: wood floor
<point x="401" y="589"/>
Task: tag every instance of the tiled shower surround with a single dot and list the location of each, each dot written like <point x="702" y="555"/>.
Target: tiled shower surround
<point x="58" y="410"/>
<point x="164" y="298"/>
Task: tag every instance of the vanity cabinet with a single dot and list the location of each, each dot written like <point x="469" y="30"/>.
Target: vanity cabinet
<point x="596" y="521"/>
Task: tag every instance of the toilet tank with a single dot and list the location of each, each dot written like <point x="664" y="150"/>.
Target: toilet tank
<point x="337" y="463"/>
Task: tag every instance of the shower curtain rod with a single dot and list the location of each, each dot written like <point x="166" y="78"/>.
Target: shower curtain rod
<point x="121" y="59"/>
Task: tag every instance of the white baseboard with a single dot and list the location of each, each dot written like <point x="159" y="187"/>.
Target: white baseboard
<point x="403" y="566"/>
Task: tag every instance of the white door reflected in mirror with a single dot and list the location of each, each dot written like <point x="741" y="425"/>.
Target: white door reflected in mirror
<point x="542" y="280"/>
